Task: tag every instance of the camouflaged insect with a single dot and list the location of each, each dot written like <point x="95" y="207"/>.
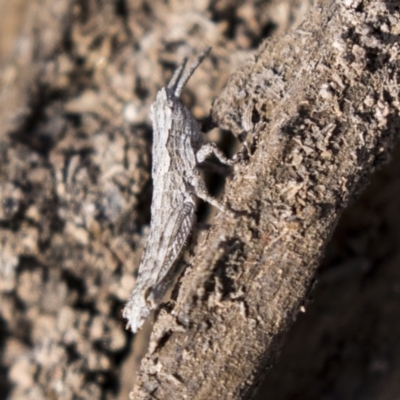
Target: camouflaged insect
<point x="177" y="151"/>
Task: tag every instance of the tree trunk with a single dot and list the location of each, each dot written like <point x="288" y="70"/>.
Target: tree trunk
<point x="320" y="110"/>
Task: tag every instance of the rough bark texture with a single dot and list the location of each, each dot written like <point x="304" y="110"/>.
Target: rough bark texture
<point x="320" y="108"/>
<point x="77" y="79"/>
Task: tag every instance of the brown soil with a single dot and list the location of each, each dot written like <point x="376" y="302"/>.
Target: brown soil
<point x="75" y="192"/>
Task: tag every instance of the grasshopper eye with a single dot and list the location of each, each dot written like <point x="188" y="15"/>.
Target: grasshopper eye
<point x="146" y="293"/>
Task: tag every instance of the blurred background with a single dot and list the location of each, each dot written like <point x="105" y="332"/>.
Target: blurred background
<point x="76" y="82"/>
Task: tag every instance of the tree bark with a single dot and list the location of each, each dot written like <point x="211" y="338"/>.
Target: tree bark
<point x="319" y="110"/>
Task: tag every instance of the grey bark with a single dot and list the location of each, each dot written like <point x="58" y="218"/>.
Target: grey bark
<point x="321" y="110"/>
